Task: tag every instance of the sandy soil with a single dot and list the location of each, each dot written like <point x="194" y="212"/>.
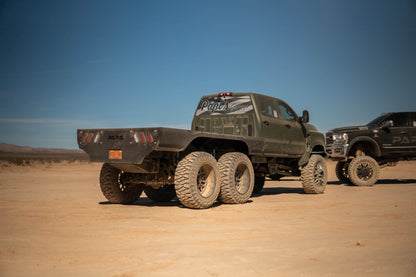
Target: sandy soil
<point x="55" y="222"/>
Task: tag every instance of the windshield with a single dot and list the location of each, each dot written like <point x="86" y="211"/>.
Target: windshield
<point x="220" y="105"/>
<point x="377" y="120"/>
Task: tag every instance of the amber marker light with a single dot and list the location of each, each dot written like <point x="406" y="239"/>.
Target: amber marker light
<point x="115" y="154"/>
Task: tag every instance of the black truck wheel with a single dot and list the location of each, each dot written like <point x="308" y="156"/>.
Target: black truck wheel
<point x="314" y="175"/>
<point x="115" y="189"/>
<point x="237" y="178"/>
<point x="363" y="171"/>
<point x="197" y="180"/>
<point x="162" y="194"/>
<point x="341" y="170"/>
<point x="258" y="183"/>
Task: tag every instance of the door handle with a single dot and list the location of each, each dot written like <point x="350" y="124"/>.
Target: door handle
<point x="267" y="123"/>
<point x="404" y="132"/>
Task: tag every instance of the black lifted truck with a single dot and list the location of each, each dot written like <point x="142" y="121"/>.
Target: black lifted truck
<point x="362" y="150"/>
<point x="236" y="141"/>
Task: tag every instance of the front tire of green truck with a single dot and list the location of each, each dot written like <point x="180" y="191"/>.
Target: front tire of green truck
<point x="197" y="180"/>
<point x="314" y="175"/>
<point x="114" y="189"/>
<point x="237" y="178"/>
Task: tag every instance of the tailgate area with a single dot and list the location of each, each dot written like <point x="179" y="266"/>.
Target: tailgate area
<point x="118" y="145"/>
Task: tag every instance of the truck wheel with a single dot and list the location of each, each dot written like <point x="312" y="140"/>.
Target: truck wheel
<point x="341" y="170"/>
<point x="114" y="189"/>
<point x="237" y="178"/>
<point x="258" y="183"/>
<point x="197" y="180"/>
<point x="363" y="171"/>
<point x="314" y="175"/>
<point x="162" y="194"/>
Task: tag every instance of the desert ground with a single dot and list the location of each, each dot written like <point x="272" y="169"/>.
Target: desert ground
<point x="55" y="222"/>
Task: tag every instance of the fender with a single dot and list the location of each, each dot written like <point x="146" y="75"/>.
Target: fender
<point x="314" y="142"/>
<point x="366" y="139"/>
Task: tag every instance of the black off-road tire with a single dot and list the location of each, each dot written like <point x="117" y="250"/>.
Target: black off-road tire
<point x="197" y="180"/>
<point x="341" y="170"/>
<point x="237" y="178"/>
<point x="112" y="187"/>
<point x="363" y="171"/>
<point x="314" y="175"/>
<point x="162" y="194"/>
<point x="258" y="183"/>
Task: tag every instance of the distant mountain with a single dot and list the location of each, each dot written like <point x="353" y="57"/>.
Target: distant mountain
<point x="11" y="148"/>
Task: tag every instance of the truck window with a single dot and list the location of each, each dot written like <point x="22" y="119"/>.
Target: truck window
<point x="268" y="107"/>
<point x="400" y="120"/>
<point x="287" y="112"/>
<point x="220" y="105"/>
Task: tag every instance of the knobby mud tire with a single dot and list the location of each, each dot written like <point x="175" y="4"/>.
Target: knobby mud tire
<point x="258" y="183"/>
<point x="363" y="171"/>
<point x="314" y="175"/>
<point x="237" y="178"/>
<point x="341" y="170"/>
<point x="114" y="190"/>
<point x="162" y="194"/>
<point x="197" y="180"/>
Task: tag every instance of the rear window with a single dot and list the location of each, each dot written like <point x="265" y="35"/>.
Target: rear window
<point x="220" y="105"/>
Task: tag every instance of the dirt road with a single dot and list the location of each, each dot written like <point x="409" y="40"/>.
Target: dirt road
<point x="55" y="222"/>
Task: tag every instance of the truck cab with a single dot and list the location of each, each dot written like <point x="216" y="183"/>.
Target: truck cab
<point x="285" y="133"/>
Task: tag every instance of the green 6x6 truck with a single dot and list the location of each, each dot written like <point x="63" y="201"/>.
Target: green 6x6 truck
<point x="236" y="141"/>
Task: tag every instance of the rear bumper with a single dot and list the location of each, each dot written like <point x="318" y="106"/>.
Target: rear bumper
<point x="130" y="145"/>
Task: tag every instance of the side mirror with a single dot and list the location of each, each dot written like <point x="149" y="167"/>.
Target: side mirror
<point x="387" y="124"/>
<point x="305" y="117"/>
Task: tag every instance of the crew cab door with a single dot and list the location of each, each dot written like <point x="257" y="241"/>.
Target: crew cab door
<point x="294" y="132"/>
<point x="397" y="135"/>
<point x="271" y="126"/>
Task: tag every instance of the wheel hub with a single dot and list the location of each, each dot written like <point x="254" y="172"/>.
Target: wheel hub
<point x="201" y="180"/>
<point x="364" y="171"/>
<point x="319" y="175"/>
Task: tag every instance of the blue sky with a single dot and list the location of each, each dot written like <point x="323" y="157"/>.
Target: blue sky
<point x="94" y="64"/>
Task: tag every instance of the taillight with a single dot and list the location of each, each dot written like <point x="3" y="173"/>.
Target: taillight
<point x="97" y="138"/>
<point x="149" y="137"/>
<point x="143" y="137"/>
<point x="91" y="137"/>
<point x="84" y="139"/>
<point x="136" y="137"/>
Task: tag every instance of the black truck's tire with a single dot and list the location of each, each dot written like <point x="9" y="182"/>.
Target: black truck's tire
<point x="363" y="171"/>
<point x="197" y="180"/>
<point x="114" y="189"/>
<point x="314" y="175"/>
<point x="341" y="170"/>
<point x="258" y="183"/>
<point x="237" y="178"/>
<point x="162" y="194"/>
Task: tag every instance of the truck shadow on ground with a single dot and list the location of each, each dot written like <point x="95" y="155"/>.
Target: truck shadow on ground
<point x="146" y="202"/>
<point x="379" y="182"/>
<point x="278" y="190"/>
